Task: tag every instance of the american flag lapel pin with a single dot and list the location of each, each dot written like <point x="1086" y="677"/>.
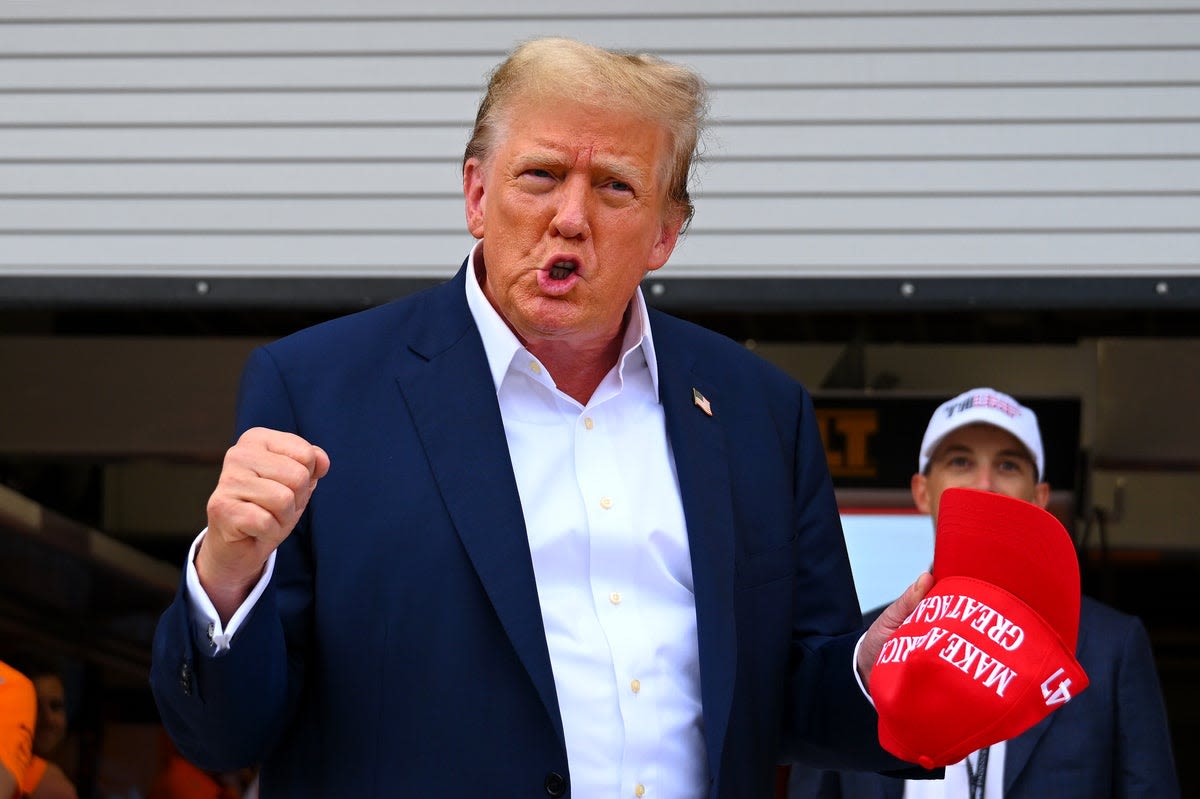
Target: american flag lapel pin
<point x="701" y="401"/>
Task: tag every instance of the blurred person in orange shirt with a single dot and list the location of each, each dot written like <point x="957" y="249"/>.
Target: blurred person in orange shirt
<point x="179" y="779"/>
<point x="43" y="778"/>
<point x="18" y="710"/>
<point x="24" y="773"/>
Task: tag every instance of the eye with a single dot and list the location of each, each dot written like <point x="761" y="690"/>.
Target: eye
<point x="1011" y="466"/>
<point x="958" y="462"/>
<point x="536" y="180"/>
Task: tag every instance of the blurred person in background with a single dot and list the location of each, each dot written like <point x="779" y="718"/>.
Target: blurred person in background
<point x="1109" y="742"/>
<point x="43" y="778"/>
<point x="179" y="779"/>
<point x="18" y="714"/>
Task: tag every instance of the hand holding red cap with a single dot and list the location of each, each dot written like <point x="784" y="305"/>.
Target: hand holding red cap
<point x="990" y="650"/>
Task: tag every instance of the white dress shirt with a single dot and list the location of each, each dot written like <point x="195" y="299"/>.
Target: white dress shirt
<point x="610" y="556"/>
<point x="611" y="561"/>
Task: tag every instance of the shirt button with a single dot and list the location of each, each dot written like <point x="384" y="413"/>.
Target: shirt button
<point x="615" y="597"/>
<point x="639" y="790"/>
<point x="588" y="423"/>
<point x="635" y="685"/>
<point x="535" y="367"/>
<point x="606" y="502"/>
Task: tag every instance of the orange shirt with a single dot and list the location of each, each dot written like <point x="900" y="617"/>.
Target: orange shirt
<point x="33" y="775"/>
<point x="18" y="713"/>
<point x="181" y="780"/>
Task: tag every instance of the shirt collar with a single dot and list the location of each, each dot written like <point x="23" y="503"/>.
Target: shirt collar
<point x="500" y="344"/>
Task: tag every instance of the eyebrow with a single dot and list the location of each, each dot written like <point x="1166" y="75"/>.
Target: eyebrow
<point x="1019" y="454"/>
<point x="621" y="170"/>
<point x="540" y="158"/>
<point x="1012" y="452"/>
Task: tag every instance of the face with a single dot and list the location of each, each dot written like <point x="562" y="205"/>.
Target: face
<point x="979" y="456"/>
<point x="52" y="714"/>
<point x="571" y="207"/>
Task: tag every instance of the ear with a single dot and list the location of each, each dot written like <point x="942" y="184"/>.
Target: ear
<point x="473" y="194"/>
<point x="667" y="239"/>
<point x="920" y="492"/>
<point x="1041" y="495"/>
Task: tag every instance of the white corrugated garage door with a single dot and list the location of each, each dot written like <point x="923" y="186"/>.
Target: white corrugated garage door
<point x="869" y="139"/>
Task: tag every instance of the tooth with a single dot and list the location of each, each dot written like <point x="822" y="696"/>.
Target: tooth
<point x="561" y="269"/>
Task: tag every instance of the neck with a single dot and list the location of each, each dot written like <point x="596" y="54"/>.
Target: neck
<point x="577" y="371"/>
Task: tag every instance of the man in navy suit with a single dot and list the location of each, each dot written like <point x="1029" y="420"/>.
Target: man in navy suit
<point x="520" y="535"/>
<point x="1109" y="741"/>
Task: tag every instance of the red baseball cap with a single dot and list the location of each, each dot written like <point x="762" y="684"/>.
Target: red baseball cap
<point x="990" y="650"/>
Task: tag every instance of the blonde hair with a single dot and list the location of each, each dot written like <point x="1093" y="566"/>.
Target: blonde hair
<point x="638" y="83"/>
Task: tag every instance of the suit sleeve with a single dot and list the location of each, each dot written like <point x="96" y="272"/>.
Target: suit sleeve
<point x="829" y="722"/>
<point x="226" y="711"/>
<point x="811" y="783"/>
<point x="1145" y="766"/>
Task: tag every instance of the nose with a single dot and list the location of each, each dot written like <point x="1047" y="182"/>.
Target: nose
<point x="571" y="215"/>
<point x="984" y="479"/>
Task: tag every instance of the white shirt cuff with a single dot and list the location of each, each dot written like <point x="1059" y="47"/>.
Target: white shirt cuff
<point x="857" y="676"/>
<point x="204" y="614"/>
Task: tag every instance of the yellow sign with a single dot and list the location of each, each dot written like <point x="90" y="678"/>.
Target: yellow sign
<point x="845" y="433"/>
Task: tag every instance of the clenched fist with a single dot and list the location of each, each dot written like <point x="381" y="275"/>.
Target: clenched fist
<point x="266" y="481"/>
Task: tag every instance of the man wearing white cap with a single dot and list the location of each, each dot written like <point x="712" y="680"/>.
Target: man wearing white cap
<point x="1111" y="740"/>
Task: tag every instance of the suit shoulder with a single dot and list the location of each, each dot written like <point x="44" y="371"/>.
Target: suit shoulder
<point x="378" y="326"/>
<point x="349" y="325"/>
<point x="732" y="356"/>
<point x="1095" y="614"/>
<point x="1108" y="636"/>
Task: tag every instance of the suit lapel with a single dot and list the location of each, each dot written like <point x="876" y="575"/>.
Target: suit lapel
<point x="447" y="386"/>
<point x="1019" y="750"/>
<point x="698" y="446"/>
<point x="449" y="392"/>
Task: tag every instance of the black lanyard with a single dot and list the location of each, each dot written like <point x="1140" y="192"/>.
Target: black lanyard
<point x="977" y="777"/>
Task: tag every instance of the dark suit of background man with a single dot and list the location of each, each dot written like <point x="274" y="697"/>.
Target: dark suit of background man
<point x="561" y="544"/>
<point x="1109" y="742"/>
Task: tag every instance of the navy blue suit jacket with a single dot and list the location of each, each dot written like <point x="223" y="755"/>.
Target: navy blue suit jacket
<point x="399" y="648"/>
<point x="1110" y="741"/>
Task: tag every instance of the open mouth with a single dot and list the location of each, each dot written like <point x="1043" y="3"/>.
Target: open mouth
<point x="561" y="270"/>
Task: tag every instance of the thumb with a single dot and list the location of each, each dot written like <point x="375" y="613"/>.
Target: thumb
<point x="320" y="468"/>
<point x="888" y="622"/>
<point x="321" y="464"/>
<point x="895" y="614"/>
